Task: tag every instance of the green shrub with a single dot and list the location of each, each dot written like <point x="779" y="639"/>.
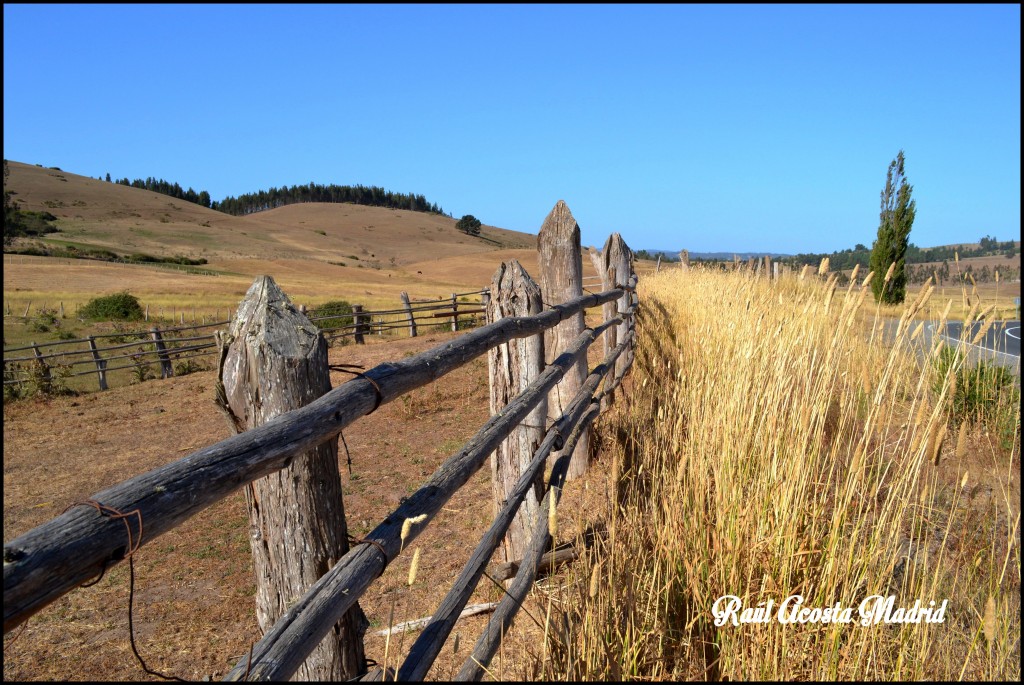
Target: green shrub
<point x="983" y="392"/>
<point x="118" y="307"/>
<point x="187" y="366"/>
<point x="339" y="313"/>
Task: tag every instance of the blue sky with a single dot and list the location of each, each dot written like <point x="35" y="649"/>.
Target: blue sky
<point x="734" y="128"/>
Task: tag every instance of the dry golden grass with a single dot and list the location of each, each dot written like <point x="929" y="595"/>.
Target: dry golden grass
<point x="773" y="446"/>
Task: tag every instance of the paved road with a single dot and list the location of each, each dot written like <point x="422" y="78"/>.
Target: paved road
<point x="1000" y="345"/>
<point x="1003" y="338"/>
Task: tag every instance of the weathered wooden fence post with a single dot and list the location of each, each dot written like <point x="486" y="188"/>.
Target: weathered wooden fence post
<point x="357" y="319"/>
<point x="101" y="364"/>
<point x="455" y="316"/>
<point x="408" y="312"/>
<point x="684" y="260"/>
<point x="166" y="369"/>
<point x="45" y="381"/>
<point x="657" y="267"/>
<point x="613" y="264"/>
<point x="768" y="267"/>
<point x="561" y="279"/>
<point x="511" y="367"/>
<point x="276" y="362"/>
<point x="607" y="276"/>
<point x="619" y="259"/>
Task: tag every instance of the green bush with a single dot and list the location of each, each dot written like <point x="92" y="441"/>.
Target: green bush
<point x="187" y="366"/>
<point x="118" y="307"/>
<point x="339" y="313"/>
<point x="983" y="392"/>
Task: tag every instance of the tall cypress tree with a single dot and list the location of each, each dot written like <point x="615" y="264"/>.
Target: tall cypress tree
<point x="890" y="247"/>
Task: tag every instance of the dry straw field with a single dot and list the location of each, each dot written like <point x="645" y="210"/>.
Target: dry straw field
<point x="773" y="447"/>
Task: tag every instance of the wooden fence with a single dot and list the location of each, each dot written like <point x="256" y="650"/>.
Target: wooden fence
<point x="169" y="349"/>
<point x="80" y="544"/>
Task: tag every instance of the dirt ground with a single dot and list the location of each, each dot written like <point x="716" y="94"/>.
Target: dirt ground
<point x="194" y="612"/>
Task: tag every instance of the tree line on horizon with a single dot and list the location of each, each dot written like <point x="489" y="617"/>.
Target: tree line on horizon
<point x="262" y="200"/>
<point x="988" y="246"/>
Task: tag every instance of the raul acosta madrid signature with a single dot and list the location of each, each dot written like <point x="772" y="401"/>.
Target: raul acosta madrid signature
<point x="871" y="611"/>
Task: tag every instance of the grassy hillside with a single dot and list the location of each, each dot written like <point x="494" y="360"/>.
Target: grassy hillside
<point x="316" y="251"/>
<point x="123" y="219"/>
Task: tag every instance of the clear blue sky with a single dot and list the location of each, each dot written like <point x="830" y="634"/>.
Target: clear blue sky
<point x="734" y="128"/>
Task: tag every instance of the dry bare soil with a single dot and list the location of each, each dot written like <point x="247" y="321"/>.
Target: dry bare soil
<point x="194" y="607"/>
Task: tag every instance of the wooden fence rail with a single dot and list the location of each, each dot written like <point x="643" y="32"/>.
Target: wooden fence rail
<point x="45" y="357"/>
<point x="83" y="542"/>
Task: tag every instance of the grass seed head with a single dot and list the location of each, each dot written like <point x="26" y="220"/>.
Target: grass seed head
<point x="553" y="516"/>
<point x="415" y="566"/>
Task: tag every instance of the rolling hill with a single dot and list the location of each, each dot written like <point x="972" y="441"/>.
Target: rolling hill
<point x="316" y="251"/>
<point x="124" y="219"/>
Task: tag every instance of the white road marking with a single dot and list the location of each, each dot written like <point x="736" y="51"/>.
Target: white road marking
<point x="1015" y="328"/>
<point x="955" y="341"/>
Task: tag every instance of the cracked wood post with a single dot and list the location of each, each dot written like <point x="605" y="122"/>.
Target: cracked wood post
<point x="561" y="279"/>
<point x="277" y="362"/>
<point x="684" y="260"/>
<point x="511" y="367"/>
<point x="768" y="267"/>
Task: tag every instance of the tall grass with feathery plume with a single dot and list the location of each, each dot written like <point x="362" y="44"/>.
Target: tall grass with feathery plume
<point x="773" y="444"/>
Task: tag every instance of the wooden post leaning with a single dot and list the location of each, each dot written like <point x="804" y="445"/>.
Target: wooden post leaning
<point x="561" y="280"/>
<point x="297" y="527"/>
<point x="101" y="364"/>
<point x="511" y="367"/>
<point x="166" y="369"/>
<point x="408" y="312"/>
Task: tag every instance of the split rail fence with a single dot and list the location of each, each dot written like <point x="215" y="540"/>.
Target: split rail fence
<point x="46" y="365"/>
<point x="80" y="544"/>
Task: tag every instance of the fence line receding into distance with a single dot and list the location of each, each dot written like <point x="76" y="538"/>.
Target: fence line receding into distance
<point x="80" y="544"/>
